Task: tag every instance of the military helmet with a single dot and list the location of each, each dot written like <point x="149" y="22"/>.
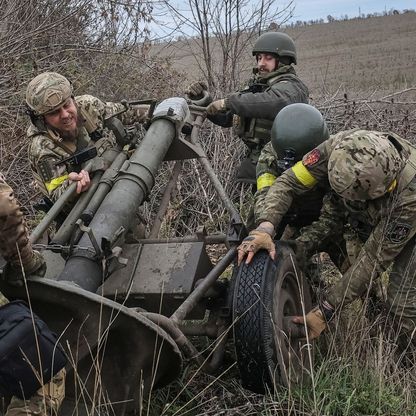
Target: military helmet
<point x="364" y="166"/>
<point x="277" y="43"/>
<point x="297" y="129"/>
<point x="46" y="92"/>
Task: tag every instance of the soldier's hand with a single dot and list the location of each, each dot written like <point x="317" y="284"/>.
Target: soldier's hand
<point x="216" y="107"/>
<point x="142" y="112"/>
<point x="196" y="90"/>
<point x="82" y="179"/>
<point x="36" y="265"/>
<point x="316" y="320"/>
<point x="255" y="241"/>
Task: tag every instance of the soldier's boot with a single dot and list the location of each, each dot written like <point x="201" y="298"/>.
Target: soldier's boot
<point x="45" y="402"/>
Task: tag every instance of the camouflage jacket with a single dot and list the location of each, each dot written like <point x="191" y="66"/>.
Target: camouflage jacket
<point x="258" y="104"/>
<point x="14" y="242"/>
<point x="391" y="219"/>
<point x="47" y="148"/>
<point x="302" y="210"/>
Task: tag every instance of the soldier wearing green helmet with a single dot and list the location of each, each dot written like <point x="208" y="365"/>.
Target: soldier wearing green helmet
<point x="370" y="178"/>
<point x="296" y="130"/>
<point x="61" y="125"/>
<point x="254" y="108"/>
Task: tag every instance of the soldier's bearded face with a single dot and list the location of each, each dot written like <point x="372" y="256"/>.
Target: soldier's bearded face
<point x="266" y="62"/>
<point x="64" y="120"/>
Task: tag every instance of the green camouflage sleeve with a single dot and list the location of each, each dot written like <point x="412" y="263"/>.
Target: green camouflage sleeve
<point x="396" y="228"/>
<point x="15" y="246"/>
<point x="299" y="179"/>
<point x="97" y="110"/>
<point x="50" y="178"/>
<point x="330" y="223"/>
<point x="266" y="174"/>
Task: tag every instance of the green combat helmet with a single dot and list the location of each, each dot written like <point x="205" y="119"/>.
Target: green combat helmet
<point x="364" y="166"/>
<point x="277" y="43"/>
<point x="297" y="129"/>
<point x="46" y="92"/>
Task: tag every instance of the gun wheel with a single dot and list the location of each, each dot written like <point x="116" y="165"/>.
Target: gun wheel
<point x="265" y="292"/>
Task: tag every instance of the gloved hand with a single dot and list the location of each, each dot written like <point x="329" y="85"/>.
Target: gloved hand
<point x="36" y="265"/>
<point x="255" y="241"/>
<point x="196" y="90"/>
<point x="316" y="320"/>
<point x="216" y="107"/>
<point x="142" y="112"/>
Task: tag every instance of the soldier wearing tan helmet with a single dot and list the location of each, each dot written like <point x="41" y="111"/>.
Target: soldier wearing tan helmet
<point x="16" y="249"/>
<point x="371" y="182"/>
<point x="254" y="108"/>
<point x="62" y="125"/>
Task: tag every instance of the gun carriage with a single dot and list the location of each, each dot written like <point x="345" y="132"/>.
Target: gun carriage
<point x="127" y="312"/>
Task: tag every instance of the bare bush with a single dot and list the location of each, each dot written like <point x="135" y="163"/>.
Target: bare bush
<point x="224" y="31"/>
<point x="97" y="45"/>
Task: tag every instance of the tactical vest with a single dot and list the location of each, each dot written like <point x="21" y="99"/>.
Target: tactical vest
<point x="255" y="132"/>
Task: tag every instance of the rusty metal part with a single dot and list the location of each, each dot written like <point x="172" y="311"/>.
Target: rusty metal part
<point x="198" y="293"/>
<point x="159" y="277"/>
<point x="217" y="354"/>
<point x="208" y="329"/>
<point x="177" y="335"/>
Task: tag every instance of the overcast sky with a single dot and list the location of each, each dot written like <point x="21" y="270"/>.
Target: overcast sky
<point x="315" y="9"/>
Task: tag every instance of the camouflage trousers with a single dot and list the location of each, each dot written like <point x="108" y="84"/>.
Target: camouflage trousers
<point x="401" y="292"/>
<point x="45" y="402"/>
<point x="400" y="299"/>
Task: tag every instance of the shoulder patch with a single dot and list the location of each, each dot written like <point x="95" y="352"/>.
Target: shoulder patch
<point x="398" y="232"/>
<point x="312" y="157"/>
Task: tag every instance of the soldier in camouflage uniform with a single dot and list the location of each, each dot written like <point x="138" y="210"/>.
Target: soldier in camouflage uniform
<point x="371" y="182"/>
<point x="287" y="146"/>
<point x="62" y="125"/>
<point x="17" y="251"/>
<point x="253" y="109"/>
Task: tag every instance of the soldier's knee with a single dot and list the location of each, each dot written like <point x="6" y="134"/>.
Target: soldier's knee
<point x="45" y="402"/>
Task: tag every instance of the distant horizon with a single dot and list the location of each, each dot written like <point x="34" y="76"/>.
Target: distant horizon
<point x="303" y="11"/>
<point x="306" y="10"/>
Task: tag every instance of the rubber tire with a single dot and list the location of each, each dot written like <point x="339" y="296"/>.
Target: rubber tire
<point x="263" y="293"/>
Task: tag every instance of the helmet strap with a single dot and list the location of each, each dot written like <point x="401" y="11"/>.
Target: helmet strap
<point x="36" y="120"/>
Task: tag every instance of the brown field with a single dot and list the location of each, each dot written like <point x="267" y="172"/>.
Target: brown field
<point x="375" y="54"/>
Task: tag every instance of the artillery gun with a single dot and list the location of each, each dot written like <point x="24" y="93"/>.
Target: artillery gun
<point x="125" y="311"/>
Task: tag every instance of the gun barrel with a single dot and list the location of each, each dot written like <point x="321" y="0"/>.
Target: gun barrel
<point x="133" y="184"/>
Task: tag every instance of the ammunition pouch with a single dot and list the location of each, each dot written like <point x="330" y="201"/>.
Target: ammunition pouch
<point x="254" y="132"/>
<point x="29" y="351"/>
